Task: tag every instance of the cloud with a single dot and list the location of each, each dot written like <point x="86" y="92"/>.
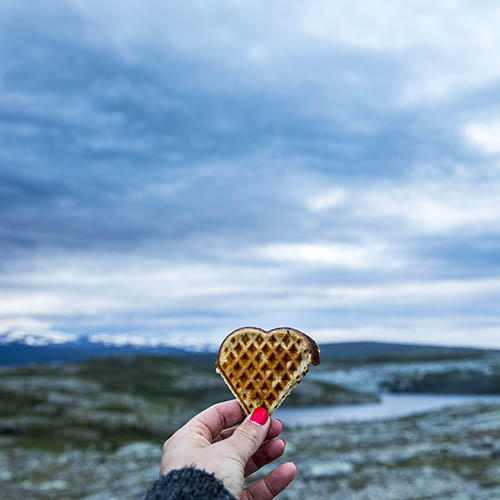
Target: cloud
<point x="31" y="332"/>
<point x="320" y="165"/>
<point x="157" y="299"/>
<point x="326" y="199"/>
<point x="416" y="291"/>
<point x="431" y="332"/>
<point x="484" y="135"/>
<point x="428" y="207"/>
<point x="433" y="51"/>
<point x="334" y="254"/>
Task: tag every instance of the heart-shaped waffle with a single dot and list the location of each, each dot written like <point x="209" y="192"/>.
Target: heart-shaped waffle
<point x="261" y="368"/>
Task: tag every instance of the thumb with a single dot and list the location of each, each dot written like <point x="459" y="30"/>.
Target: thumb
<point x="248" y="437"/>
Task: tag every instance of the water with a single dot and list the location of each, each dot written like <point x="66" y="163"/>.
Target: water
<point x="390" y="406"/>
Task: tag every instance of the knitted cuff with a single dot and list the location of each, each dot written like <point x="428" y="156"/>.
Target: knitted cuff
<point x="188" y="484"/>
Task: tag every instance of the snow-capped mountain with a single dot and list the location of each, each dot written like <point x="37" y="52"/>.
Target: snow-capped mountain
<point x="19" y="346"/>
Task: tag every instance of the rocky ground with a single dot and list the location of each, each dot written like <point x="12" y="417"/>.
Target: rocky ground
<point x="451" y="454"/>
<point x="94" y="430"/>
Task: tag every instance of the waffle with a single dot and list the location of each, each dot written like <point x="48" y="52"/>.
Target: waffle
<point x="261" y="368"/>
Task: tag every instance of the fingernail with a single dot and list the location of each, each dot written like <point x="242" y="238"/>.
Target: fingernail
<point x="259" y="416"/>
<point x="295" y="465"/>
<point x="284" y="442"/>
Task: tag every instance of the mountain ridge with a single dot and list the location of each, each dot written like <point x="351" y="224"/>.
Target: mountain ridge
<point x="30" y="349"/>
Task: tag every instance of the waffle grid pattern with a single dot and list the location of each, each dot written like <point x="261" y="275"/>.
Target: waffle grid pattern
<point x="261" y="368"/>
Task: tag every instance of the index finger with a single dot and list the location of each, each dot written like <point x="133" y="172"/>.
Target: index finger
<point x="210" y="422"/>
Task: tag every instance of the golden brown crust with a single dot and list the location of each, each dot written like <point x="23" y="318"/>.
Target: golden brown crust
<point x="235" y="393"/>
<point x="261" y="367"/>
<point x="315" y="350"/>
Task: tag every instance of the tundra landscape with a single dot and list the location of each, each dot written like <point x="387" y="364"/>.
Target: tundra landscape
<point x="93" y="429"/>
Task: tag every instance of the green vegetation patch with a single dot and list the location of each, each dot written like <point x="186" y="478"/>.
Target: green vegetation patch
<point x="160" y="379"/>
<point x="360" y="481"/>
<point x="74" y="433"/>
<point x="15" y="404"/>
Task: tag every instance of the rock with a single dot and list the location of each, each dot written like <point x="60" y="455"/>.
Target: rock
<point x="494" y="492"/>
<point x="57" y="484"/>
<point x="486" y="442"/>
<point x="329" y="469"/>
<point x="139" y="450"/>
<point x="5" y="475"/>
<point x="495" y="452"/>
<point x="12" y="430"/>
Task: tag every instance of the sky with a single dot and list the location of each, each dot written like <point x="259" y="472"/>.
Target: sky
<point x="171" y="171"/>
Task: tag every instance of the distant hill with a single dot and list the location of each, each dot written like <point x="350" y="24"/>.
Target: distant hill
<point x="389" y="352"/>
<point x="20" y="352"/>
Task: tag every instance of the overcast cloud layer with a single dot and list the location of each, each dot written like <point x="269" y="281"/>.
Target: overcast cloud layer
<point x="175" y="170"/>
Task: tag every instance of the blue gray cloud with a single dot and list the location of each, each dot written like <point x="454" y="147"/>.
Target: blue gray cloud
<point x="173" y="170"/>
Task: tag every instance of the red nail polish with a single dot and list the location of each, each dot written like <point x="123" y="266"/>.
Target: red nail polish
<point x="259" y="416"/>
<point x="284" y="442"/>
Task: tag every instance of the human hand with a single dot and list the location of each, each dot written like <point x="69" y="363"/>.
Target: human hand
<point x="208" y="442"/>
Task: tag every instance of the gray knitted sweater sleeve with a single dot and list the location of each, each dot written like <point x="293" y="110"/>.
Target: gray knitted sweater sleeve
<point x="188" y="483"/>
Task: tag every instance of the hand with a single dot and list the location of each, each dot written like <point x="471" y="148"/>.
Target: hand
<point x="208" y="442"/>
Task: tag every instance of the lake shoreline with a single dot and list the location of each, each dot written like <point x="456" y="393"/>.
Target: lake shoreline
<point x="389" y="406"/>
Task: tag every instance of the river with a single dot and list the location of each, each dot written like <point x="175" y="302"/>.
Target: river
<point x="390" y="406"/>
